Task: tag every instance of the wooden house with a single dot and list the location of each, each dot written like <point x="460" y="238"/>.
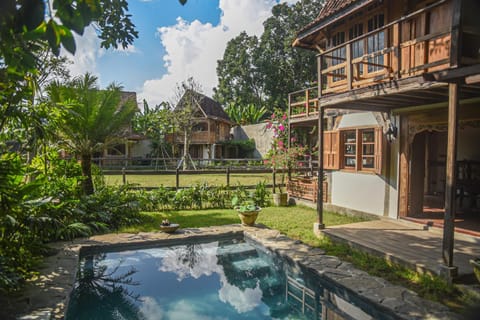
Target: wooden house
<point x="210" y="127"/>
<point x="396" y="109"/>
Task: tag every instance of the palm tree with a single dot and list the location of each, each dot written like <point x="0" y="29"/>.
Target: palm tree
<point x="91" y="119"/>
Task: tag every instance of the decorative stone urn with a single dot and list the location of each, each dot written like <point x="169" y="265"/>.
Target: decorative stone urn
<point x="248" y="218"/>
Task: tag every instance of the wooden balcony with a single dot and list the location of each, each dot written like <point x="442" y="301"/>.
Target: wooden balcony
<point x="405" y="48"/>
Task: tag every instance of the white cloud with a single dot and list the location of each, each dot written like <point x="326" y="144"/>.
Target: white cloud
<point x="130" y="49"/>
<point x="86" y="55"/>
<point x="193" y="48"/>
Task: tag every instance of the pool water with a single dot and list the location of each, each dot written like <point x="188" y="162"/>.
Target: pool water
<point x="217" y="280"/>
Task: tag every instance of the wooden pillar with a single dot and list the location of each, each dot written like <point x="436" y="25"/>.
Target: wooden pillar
<point x="349" y="66"/>
<point x="320" y="224"/>
<point x="448" y="229"/>
<point x="404" y="173"/>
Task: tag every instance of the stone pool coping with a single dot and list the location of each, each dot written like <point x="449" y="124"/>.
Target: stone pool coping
<point x="47" y="296"/>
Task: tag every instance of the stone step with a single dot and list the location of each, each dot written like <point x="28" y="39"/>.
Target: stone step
<point x="237" y="252"/>
<point x="252" y="267"/>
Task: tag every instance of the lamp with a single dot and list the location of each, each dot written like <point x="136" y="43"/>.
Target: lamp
<point x="391" y="132"/>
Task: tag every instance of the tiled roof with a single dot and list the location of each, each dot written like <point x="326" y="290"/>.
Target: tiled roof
<point x="332" y="6"/>
<point x="329" y="8"/>
<point x="209" y="106"/>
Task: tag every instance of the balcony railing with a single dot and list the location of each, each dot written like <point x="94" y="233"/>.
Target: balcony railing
<point x="387" y="53"/>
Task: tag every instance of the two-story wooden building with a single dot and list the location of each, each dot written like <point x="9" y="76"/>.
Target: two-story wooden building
<point x="397" y="108"/>
<point x="210" y="127"/>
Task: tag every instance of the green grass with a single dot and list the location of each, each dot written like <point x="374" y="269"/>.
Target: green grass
<point x="168" y="180"/>
<point x="297" y="223"/>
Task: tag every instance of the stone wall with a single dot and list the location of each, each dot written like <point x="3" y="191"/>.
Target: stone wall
<point x="257" y="132"/>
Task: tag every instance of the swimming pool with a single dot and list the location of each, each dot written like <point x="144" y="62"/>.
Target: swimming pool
<point x="223" y="279"/>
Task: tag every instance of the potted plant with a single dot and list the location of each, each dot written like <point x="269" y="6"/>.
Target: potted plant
<point x="281" y="157"/>
<point x="476" y="267"/>
<point x="168" y="227"/>
<point x="246" y="208"/>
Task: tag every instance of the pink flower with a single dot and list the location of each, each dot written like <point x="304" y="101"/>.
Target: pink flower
<point x="273" y="116"/>
<point x="284" y="117"/>
<point x="280" y="143"/>
<point x="281" y="127"/>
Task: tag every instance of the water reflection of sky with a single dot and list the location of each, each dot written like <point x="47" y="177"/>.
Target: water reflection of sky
<point x="184" y="282"/>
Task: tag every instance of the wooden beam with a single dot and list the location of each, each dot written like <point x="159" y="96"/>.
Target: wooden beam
<point x="453" y="75"/>
<point x="448" y="229"/>
<point x="320" y="224"/>
<point x="473" y="79"/>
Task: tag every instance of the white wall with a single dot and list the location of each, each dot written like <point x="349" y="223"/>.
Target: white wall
<point x="367" y="192"/>
<point x="359" y="191"/>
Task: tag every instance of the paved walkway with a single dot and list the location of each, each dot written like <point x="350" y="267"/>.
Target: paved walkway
<point x="407" y="243"/>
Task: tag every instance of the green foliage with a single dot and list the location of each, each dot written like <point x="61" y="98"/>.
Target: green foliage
<point x="26" y="25"/>
<point x="92" y="119"/>
<point x="245" y="147"/>
<point x="261" y="71"/>
<point x="199" y="196"/>
<point x="154" y="123"/>
<point x="245" y="114"/>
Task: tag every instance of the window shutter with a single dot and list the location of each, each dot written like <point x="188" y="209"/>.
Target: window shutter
<point x="379" y="150"/>
<point x="331" y="150"/>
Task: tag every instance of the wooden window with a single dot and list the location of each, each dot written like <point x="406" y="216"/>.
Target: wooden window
<point x="331" y="150"/>
<point x="338" y="56"/>
<point x="357" y="46"/>
<point x="376" y="42"/>
<point x="361" y="149"/>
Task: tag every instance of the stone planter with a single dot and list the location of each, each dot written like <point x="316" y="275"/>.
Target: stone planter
<point x="248" y="218"/>
<point x="280" y="199"/>
<point x="476" y="268"/>
<point x="170" y="228"/>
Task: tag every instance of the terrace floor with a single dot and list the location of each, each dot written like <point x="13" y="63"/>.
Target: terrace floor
<point x="410" y="244"/>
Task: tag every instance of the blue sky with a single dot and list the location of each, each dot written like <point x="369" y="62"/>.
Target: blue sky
<point x="175" y="42"/>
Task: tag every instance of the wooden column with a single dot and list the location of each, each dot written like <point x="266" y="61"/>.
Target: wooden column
<point x="448" y="229"/>
<point x="320" y="224"/>
<point x="349" y="66"/>
<point x="404" y="174"/>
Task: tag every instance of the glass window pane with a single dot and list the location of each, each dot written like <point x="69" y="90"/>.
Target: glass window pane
<point x="368" y="149"/>
<point x="350" y="149"/>
<point x="350" y="136"/>
<point x="350" y="162"/>
<point x="367" y="162"/>
<point x="368" y="136"/>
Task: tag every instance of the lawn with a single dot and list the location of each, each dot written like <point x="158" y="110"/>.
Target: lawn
<point x="168" y="180"/>
<point x="295" y="221"/>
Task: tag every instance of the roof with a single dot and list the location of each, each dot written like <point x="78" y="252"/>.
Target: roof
<point x="331" y="10"/>
<point x="210" y="107"/>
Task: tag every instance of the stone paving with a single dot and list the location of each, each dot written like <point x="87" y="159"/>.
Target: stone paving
<point x="47" y="296"/>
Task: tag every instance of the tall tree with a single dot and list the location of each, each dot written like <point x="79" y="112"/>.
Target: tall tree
<point x="286" y="68"/>
<point x="262" y="71"/>
<point x="92" y="121"/>
<point x="239" y="80"/>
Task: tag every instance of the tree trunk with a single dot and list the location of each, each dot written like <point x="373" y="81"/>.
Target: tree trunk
<point x="87" y="184"/>
<point x="185" y="150"/>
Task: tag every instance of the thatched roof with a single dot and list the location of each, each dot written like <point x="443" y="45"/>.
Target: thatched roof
<point x="209" y="107"/>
